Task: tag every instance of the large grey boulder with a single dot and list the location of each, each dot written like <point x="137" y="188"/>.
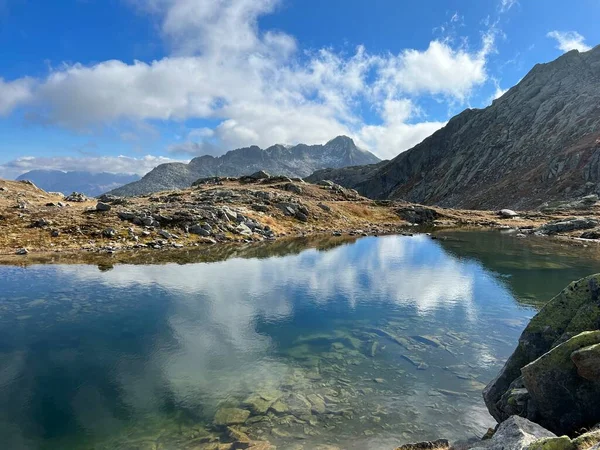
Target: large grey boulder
<point x="574" y="310"/>
<point x="516" y="433"/>
<point x="564" y="401"/>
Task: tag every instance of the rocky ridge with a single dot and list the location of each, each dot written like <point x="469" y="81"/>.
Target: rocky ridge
<point x="297" y="161"/>
<point x="539" y="142"/>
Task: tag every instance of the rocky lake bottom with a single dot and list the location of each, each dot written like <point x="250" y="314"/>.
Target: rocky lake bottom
<point x="366" y="345"/>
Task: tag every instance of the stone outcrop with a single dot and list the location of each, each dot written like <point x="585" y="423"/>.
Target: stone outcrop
<point x="543" y="364"/>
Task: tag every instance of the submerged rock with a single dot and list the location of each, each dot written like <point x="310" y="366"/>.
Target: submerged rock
<point x="231" y="416"/>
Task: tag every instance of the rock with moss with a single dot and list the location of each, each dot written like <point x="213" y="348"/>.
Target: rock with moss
<point x="564" y="401"/>
<point x="574" y="310"/>
<point x="587" y="440"/>
<point x="587" y="361"/>
<point x="554" y="443"/>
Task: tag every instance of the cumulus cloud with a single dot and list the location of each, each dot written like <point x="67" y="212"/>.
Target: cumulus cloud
<point x="14" y="93"/>
<point x="95" y="164"/>
<point x="569" y="40"/>
<point x="258" y="85"/>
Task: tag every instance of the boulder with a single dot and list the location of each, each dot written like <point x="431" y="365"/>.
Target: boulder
<point x="564" y="226"/>
<point x="516" y="433"/>
<point x="243" y="230"/>
<point x="593" y="234"/>
<point x="76" y="197"/>
<point x="260" y="175"/>
<point x="564" y="401"/>
<point x="417" y="214"/>
<point x="574" y="310"/>
<point x="587" y="361"/>
<point x="294" y="188"/>
<point x="103" y="207"/>
<point x="507" y="213"/>
<point x="199" y="230"/>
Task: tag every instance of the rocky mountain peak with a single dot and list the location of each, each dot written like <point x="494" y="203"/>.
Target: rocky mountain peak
<point x="292" y="161"/>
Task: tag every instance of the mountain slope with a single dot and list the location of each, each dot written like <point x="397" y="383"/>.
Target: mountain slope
<point x="298" y="161"/>
<point x="539" y="142"/>
<point x="90" y="184"/>
<point x="346" y="176"/>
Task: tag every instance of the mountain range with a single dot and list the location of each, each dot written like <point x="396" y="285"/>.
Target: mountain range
<point x="88" y="183"/>
<point x="298" y="161"/>
<point x="537" y="143"/>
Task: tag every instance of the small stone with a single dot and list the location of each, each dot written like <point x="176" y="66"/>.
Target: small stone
<point x="109" y="233"/>
<point x="165" y="234"/>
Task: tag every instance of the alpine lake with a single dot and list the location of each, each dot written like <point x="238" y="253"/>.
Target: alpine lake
<point x="357" y="344"/>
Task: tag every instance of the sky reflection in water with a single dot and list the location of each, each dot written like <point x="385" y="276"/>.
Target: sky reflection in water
<point x="87" y="355"/>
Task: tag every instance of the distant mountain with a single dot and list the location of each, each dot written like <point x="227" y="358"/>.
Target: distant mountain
<point x="90" y="184"/>
<point x="298" y="161"/>
<point x="539" y="142"/>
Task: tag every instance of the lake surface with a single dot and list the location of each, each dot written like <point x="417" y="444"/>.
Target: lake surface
<point x="365" y="345"/>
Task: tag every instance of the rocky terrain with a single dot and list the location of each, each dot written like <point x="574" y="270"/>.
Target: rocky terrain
<point x="298" y="161"/>
<point x="249" y="209"/>
<point x="539" y="142"/>
<point x="88" y="183"/>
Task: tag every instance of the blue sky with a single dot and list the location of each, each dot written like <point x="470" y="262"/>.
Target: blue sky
<point x="122" y="85"/>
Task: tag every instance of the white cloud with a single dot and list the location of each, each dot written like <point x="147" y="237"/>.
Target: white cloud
<point x="438" y="70"/>
<point x="569" y="40"/>
<point x="95" y="164"/>
<point x="257" y="84"/>
<point x="395" y="132"/>
<point x="14" y="93"/>
<point x="506" y="5"/>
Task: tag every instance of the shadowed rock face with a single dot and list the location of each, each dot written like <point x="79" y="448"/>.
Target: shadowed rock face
<point x="298" y="161"/>
<point x="540" y="380"/>
<point x="540" y="141"/>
